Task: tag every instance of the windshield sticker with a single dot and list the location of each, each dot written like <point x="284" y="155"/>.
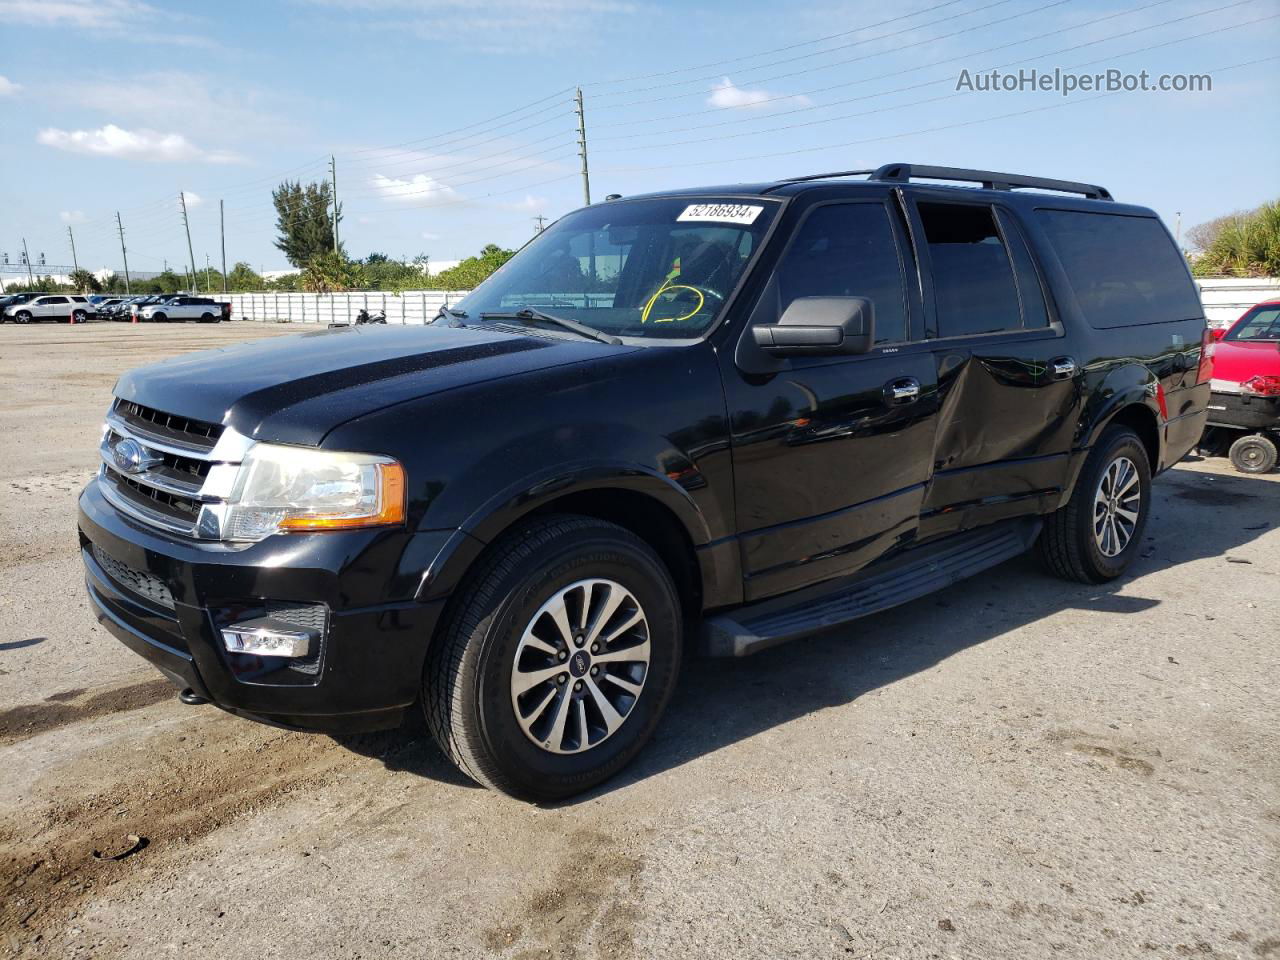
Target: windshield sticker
<point x="721" y="212"/>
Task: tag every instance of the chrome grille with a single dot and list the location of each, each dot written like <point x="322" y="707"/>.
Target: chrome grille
<point x="169" y="471"/>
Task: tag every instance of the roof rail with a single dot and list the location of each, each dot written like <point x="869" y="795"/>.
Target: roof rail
<point x="905" y="172"/>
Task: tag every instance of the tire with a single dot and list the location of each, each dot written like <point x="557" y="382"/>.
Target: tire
<point x="208" y="318"/>
<point x="1255" y="453"/>
<point x="1071" y="544"/>
<point x="484" y="650"/>
<point x="79" y="316"/>
<point x="159" y="317"/>
<point x="23" y="316"/>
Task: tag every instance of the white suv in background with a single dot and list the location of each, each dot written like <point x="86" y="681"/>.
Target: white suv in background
<point x="53" y="306"/>
<point x="186" y="308"/>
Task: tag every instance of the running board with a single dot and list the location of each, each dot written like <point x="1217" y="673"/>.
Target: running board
<point x="909" y="576"/>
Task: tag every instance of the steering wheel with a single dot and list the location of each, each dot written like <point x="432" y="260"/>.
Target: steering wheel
<point x="702" y="293"/>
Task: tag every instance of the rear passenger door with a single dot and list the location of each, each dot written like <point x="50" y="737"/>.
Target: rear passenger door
<point x="51" y="307"/>
<point x="1008" y="383"/>
<point x="831" y="454"/>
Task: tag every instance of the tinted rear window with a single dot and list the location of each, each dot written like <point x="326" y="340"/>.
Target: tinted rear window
<point x="1124" y="270"/>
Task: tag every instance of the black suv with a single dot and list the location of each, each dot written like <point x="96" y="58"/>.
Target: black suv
<point x="719" y="418"/>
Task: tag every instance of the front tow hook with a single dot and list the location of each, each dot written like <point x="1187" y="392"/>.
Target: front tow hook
<point x="191" y="698"/>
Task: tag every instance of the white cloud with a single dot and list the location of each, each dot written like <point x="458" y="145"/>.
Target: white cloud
<point x="193" y="199"/>
<point x="366" y="220"/>
<point x="218" y="102"/>
<point x="143" y="144"/>
<point x="430" y="236"/>
<point x="72" y="216"/>
<point x="419" y="189"/>
<point x="7" y="87"/>
<point x="126" y="19"/>
<point x="529" y="204"/>
<point x="726" y="94"/>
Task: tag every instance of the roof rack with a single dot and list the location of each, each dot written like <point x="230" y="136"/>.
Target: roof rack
<point x="990" y="180"/>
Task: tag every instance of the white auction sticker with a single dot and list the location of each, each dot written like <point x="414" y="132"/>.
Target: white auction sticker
<point x="721" y="212"/>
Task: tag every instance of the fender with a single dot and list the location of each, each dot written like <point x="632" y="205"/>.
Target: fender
<point x="1125" y="385"/>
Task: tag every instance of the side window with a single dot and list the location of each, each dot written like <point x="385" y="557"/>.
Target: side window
<point x="848" y="250"/>
<point x="52" y="300"/>
<point x="973" y="285"/>
<point x="1124" y="270"/>
<point x="1030" y="292"/>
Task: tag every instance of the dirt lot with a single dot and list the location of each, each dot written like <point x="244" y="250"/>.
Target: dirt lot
<point x="1014" y="768"/>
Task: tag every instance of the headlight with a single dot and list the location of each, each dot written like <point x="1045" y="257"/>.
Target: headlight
<point x="285" y="489"/>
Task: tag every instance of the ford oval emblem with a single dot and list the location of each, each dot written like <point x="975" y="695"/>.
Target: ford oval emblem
<point x="129" y="456"/>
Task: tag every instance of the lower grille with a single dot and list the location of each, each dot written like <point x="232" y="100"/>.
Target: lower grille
<point x="135" y="581"/>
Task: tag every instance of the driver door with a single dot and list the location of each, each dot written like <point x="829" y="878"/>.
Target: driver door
<point x="831" y="454"/>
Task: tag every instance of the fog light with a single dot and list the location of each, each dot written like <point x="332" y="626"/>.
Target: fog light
<point x="268" y="637"/>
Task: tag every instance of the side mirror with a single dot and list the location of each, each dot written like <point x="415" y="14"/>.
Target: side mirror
<point x="819" y="326"/>
<point x="1217" y="334"/>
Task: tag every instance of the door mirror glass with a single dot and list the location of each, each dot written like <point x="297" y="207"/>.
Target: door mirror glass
<point x="820" y="326"/>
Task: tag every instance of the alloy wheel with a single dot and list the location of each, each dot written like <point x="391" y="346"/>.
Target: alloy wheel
<point x="1116" y="506"/>
<point x="580" y="666"/>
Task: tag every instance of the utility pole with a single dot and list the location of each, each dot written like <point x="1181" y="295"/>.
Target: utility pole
<point x="75" y="264"/>
<point x="541" y="221"/>
<point x="222" y="232"/>
<point x="1177" y="237"/>
<point x="182" y="198"/>
<point x="26" y="258"/>
<point x="207" y="284"/>
<point x="333" y="182"/>
<point x="125" y="256"/>
<point x="582" y="146"/>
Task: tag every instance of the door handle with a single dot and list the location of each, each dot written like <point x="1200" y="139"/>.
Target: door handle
<point x="1062" y="368"/>
<point x="902" y="390"/>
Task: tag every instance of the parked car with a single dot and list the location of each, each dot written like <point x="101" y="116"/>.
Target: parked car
<point x="752" y="412"/>
<point x="55" y="306"/>
<point x="1244" y="409"/>
<point x="13" y="300"/>
<point x="184" y="307"/>
<point x="106" y="306"/>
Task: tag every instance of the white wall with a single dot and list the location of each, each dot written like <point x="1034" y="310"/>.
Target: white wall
<point x="1225" y="299"/>
<point x="405" y="307"/>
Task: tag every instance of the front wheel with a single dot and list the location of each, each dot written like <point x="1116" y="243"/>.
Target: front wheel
<point x="1095" y="537"/>
<point x="22" y="316"/>
<point x="159" y="317"/>
<point x="558" y="659"/>
<point x="1255" y="453"/>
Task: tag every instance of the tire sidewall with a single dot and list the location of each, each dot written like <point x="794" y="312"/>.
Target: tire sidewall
<point x="537" y="772"/>
<point x="1269" y="459"/>
<point x="1123" y="443"/>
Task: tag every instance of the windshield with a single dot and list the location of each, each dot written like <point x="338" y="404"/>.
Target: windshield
<point x="1262" y="324"/>
<point x="637" y="268"/>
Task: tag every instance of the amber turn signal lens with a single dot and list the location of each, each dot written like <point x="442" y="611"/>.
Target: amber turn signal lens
<point x="390" y="510"/>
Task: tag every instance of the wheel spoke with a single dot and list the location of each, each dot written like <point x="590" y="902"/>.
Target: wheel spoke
<point x="611" y="604"/>
<point x="531" y="639"/>
<point x="582" y="724"/>
<point x="612" y="719"/>
<point x="556" y="737"/>
<point x="630" y="622"/>
<point x="1130" y="515"/>
<point x="530" y="718"/>
<point x="638" y="653"/>
<point x="525" y="680"/>
<point x="560" y="615"/>
<point x="627" y="685"/>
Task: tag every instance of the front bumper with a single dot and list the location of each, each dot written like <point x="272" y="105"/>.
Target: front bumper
<point x="167" y="599"/>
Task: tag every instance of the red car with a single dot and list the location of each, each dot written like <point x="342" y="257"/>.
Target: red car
<point x="1245" y="405"/>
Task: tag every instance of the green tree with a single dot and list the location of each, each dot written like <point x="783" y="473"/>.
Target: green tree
<point x="1245" y="245"/>
<point x="305" y="220"/>
<point x="330" y="273"/>
<point x="242" y="277"/>
<point x="84" y="282"/>
<point x="472" y="271"/>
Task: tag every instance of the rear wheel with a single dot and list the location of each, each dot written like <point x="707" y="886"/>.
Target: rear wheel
<point x="1255" y="453"/>
<point x="79" y="316"/>
<point x="208" y="318"/>
<point x="557" y="661"/>
<point x="1097" y="534"/>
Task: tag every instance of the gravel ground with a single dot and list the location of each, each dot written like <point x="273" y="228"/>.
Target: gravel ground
<point x="1013" y="768"/>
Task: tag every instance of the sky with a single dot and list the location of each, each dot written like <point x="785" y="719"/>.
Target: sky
<point x="452" y="124"/>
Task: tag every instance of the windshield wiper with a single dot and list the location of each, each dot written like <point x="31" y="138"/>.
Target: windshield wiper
<point x="455" y="315"/>
<point x="581" y="329"/>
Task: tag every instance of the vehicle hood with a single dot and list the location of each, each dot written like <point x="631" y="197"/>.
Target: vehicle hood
<point x="1238" y="360"/>
<point x="296" y="389"/>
